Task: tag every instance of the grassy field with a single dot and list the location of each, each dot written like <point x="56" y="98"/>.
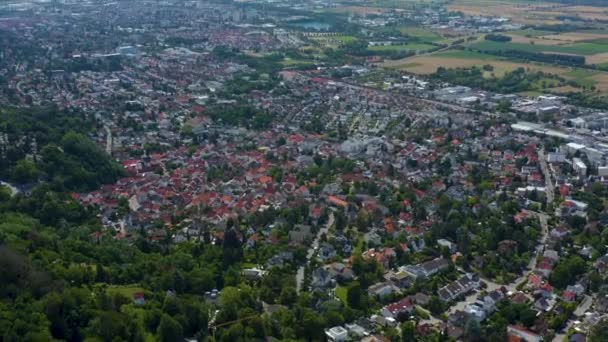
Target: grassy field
<point x="466" y="55"/>
<point x="422" y="33"/>
<point x="293" y="62"/>
<point x="333" y="41"/>
<point x="342" y="293"/>
<point x="530" y="33"/>
<point x="125" y="290"/>
<point x="528" y="12"/>
<point x="425" y="65"/>
<point x="581" y="48"/>
<point x="582" y="77"/>
<point x="453" y="59"/>
<point x="410" y="47"/>
<point x="344" y="39"/>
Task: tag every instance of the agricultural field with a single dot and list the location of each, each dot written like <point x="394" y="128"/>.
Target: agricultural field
<point x="421" y="33"/>
<point x="295" y="62"/>
<point x="527" y="12"/>
<point x="589" y="43"/>
<point x="425" y="65"/>
<point x="333" y="41"/>
<point x="580" y="48"/>
<point x="403" y="47"/>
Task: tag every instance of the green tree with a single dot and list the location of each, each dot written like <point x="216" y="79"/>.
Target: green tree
<point x="567" y="271"/>
<point x="599" y="332"/>
<point x="288" y="295"/>
<point x="435" y="305"/>
<point x="25" y="171"/>
<point x="408" y="332"/>
<point x="169" y="329"/>
<point x="472" y="330"/>
<point x="354" y="295"/>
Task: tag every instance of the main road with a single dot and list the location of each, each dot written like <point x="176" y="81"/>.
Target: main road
<point x="108" y="140"/>
<point x="512" y="286"/>
<point x="311" y="251"/>
<point x="548" y="182"/>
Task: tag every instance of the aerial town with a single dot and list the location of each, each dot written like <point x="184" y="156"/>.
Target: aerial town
<point x="261" y="170"/>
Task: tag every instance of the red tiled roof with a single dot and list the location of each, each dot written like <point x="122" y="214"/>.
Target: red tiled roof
<point x="337" y="201"/>
<point x="404" y="304"/>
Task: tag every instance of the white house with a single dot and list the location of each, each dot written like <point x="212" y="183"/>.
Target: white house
<point x="336" y="334"/>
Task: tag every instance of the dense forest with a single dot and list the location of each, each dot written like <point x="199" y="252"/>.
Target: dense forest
<point x="551" y="58"/>
<point x="511" y="82"/>
<point x="50" y="145"/>
<point x="64" y="279"/>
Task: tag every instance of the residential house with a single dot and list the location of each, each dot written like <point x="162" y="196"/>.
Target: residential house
<point x="326" y="252"/>
<point x="522" y="334"/>
<point x="601" y="304"/>
<point x="544" y="304"/>
<point x="398" y="310"/>
<point x="560" y="232"/>
<point x="300" y="234"/>
<point x="601" y="264"/>
<point x="382" y="256"/>
<point x="459" y="287"/>
<point x="578" y="288"/>
<point x="336" y="334"/>
<point x="428" y="268"/>
<point x="458" y="318"/>
<point x="279" y="259"/>
<point x="340" y="272"/>
<point x="401" y="279"/>
<point x="569" y="296"/>
<point x="491" y="300"/>
<point x="382" y="289"/>
<point x="476" y="312"/>
<point x="253" y="273"/>
<point x="421" y="299"/>
<point x="356" y="331"/>
<point x="443" y="243"/>
<point x="139" y="299"/>
<point x="321" y="279"/>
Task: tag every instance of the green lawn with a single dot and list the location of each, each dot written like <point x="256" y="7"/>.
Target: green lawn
<point x="576" y="48"/>
<point x="548" y="82"/>
<point x="421" y="33"/>
<point x="345" y="39"/>
<point x="582" y="77"/>
<point x="125" y="290"/>
<point x="466" y="55"/>
<point x="341" y="293"/>
<point x="412" y="47"/>
<point x="292" y="62"/>
<point x="602" y="41"/>
<point x="530" y="33"/>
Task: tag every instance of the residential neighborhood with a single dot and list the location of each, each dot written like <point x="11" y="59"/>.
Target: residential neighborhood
<point x="255" y="171"/>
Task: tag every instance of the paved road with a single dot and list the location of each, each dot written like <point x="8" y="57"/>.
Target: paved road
<point x="583" y="306"/>
<point x="410" y="97"/>
<point x="512" y="286"/>
<point x="543" y="218"/>
<point x="544" y="226"/>
<point x="580" y="310"/>
<point x="545" y="169"/>
<point x="312" y="250"/>
<point x="108" y="140"/>
<point x="11" y="187"/>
